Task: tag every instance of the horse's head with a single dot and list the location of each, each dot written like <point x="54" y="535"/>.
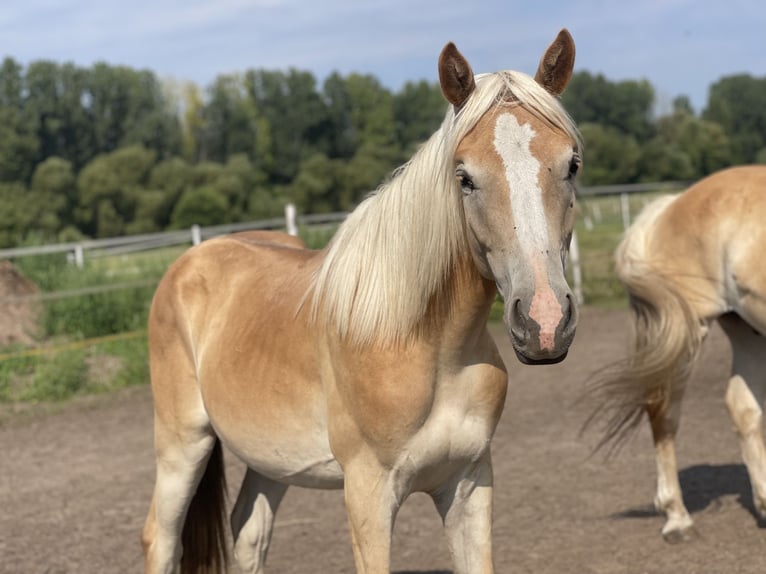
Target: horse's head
<point x="516" y="168"/>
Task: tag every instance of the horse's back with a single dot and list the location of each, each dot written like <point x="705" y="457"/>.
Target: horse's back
<point x="230" y="270"/>
<point x="708" y="241"/>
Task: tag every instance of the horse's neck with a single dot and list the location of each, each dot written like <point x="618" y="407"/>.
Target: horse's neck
<point x="462" y="306"/>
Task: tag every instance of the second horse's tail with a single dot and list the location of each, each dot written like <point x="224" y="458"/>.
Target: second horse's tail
<point x="666" y="340"/>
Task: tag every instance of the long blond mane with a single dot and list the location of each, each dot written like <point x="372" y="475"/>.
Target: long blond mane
<point x="396" y="250"/>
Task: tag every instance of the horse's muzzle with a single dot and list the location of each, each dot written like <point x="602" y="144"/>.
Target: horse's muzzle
<point x="545" y="342"/>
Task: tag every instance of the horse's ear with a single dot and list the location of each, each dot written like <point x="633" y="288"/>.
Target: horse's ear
<point x="455" y="76"/>
<point x="556" y="65"/>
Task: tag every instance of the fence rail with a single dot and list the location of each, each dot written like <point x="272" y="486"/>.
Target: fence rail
<point x="148" y="241"/>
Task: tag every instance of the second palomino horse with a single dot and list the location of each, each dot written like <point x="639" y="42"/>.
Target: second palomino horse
<point x="687" y="261"/>
<point x="367" y="365"/>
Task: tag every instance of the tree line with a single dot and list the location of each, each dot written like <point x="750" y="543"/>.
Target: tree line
<point x="109" y="150"/>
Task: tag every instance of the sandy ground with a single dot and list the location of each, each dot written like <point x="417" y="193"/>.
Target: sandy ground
<point x="75" y="485"/>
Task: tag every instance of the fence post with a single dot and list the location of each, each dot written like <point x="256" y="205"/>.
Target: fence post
<point x="292" y="227"/>
<point x="574" y="258"/>
<point x="625" y="208"/>
<point x="79" y="256"/>
<point x="196" y="234"/>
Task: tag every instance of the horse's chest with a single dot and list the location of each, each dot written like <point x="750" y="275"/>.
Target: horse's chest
<point x="453" y="433"/>
<point x="458" y="429"/>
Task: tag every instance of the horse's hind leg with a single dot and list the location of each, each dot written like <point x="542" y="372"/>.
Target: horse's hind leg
<point x="668" y="499"/>
<point x="745" y="399"/>
<point x="183" y="441"/>
<point x="252" y="520"/>
<point x="181" y="462"/>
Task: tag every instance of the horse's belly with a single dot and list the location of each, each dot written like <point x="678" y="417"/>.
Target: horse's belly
<point x="280" y="443"/>
<point x="283" y="463"/>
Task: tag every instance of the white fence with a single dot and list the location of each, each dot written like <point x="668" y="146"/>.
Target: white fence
<point x="78" y="250"/>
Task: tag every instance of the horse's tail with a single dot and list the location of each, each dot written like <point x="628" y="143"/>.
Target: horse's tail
<point x="666" y="340"/>
<point x="204" y="534"/>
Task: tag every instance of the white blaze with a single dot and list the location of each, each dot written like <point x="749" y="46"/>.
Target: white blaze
<point x="512" y="143"/>
<point x="521" y="168"/>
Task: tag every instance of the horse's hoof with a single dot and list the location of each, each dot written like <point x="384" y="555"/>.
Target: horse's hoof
<point x="680" y="535"/>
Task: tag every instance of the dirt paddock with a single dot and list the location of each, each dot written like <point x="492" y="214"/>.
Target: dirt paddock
<point x="75" y="485"/>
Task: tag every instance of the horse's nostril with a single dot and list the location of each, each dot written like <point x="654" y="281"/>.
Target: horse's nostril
<point x="518" y="322"/>
<point x="569" y="322"/>
<point x="518" y="316"/>
<point x="569" y="310"/>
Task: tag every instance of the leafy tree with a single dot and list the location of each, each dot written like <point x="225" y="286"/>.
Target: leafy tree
<point x="364" y="173"/>
<point x="108" y="189"/>
<point x="151" y="121"/>
<point x="202" y="206"/>
<point x="18" y="148"/>
<point x="171" y="178"/>
<point x="313" y="190"/>
<point x="150" y="208"/>
<point x="738" y="104"/>
<point x="295" y="115"/>
<point x="129" y="107"/>
<point x="684" y="148"/>
<point x="54" y="109"/>
<point x="14" y="214"/>
<point x="372" y="112"/>
<point x="338" y="131"/>
<point x="610" y="156"/>
<point x="193" y="124"/>
<point x="230" y="120"/>
<point x="625" y="106"/>
<point x="418" y="110"/>
<point x="18" y="145"/>
<point x="244" y="177"/>
<point x="54" y="184"/>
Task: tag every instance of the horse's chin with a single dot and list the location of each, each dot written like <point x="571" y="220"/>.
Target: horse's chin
<point x="544" y="361"/>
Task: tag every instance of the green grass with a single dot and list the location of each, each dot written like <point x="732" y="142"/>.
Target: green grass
<point x="59" y="374"/>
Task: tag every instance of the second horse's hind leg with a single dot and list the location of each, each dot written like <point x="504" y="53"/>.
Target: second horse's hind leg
<point x="252" y="520"/>
<point x="679" y="525"/>
<point x="745" y="399"/>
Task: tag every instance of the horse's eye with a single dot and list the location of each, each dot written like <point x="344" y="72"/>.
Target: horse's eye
<point x="574" y="166"/>
<point x="465" y="181"/>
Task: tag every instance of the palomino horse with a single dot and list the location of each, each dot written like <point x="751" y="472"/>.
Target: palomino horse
<point x="367" y="365"/>
<point x="689" y="260"/>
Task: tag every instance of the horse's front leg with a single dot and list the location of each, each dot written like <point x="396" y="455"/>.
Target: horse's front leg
<point x="372" y="502"/>
<point x="465" y="505"/>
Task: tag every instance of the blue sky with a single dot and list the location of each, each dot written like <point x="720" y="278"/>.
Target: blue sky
<point x="680" y="46"/>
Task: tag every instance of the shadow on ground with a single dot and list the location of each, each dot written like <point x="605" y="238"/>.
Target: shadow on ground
<point x="703" y="486"/>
